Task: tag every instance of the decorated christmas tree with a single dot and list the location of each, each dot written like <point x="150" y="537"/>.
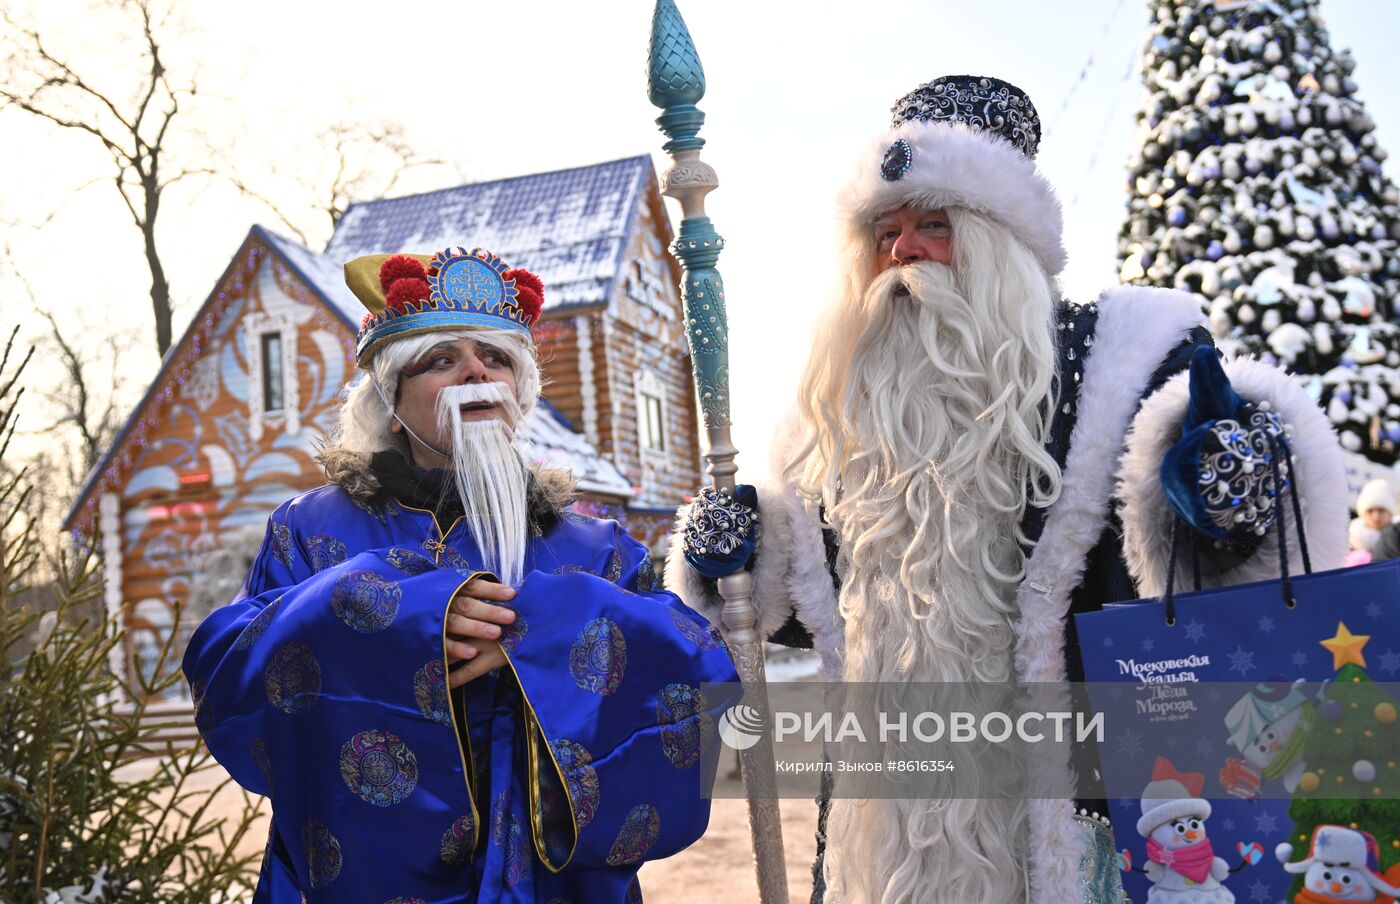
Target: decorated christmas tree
<point x="1257" y="185"/>
<point x="1353" y="777"/>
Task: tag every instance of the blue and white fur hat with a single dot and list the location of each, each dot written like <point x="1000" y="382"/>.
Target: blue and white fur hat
<point x="959" y="141"/>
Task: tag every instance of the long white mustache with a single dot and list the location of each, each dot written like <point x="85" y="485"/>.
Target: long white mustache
<point x="452" y="398"/>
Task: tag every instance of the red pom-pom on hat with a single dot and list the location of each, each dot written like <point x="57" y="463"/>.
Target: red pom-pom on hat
<point x="398" y="267"/>
<point x="365" y="322"/>
<point x="524" y="278"/>
<point x="529" y="292"/>
<point x="407" y="290"/>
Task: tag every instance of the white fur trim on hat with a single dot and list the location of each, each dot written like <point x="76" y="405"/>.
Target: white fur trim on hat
<point x="953" y="165"/>
<point x="1376" y="494"/>
<point x="1166" y="800"/>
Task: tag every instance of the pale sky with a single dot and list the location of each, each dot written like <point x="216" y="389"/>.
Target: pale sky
<point x="502" y="89"/>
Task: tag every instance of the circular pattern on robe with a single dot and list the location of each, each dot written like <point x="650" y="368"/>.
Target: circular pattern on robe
<point x="282" y="543"/>
<point x="365" y="601"/>
<point x="292" y="678"/>
<point x="639" y="832"/>
<point x="257" y="752"/>
<point x="409" y="561"/>
<point x="378" y="767"/>
<point x="685" y="726"/>
<point x="612" y="571"/>
<point x="580" y="778"/>
<point x="255" y="628"/>
<point x="508" y="833"/>
<point x="634" y="892"/>
<point x="322" y="852"/>
<point x="459" y="841"/>
<point x="576" y="518"/>
<point x="705" y="637"/>
<point x="203" y="713"/>
<point x="325" y="551"/>
<point x="647" y="581"/>
<point x="402" y="900"/>
<point x="598" y="657"/>
<point x="375" y="510"/>
<point x="513" y="633"/>
<point x="574" y="569"/>
<point x="430" y="692"/>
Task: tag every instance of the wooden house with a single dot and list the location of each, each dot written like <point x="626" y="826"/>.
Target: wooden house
<point x="228" y="429"/>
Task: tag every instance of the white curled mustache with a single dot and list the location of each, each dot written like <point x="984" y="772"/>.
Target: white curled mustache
<point x="472" y="393"/>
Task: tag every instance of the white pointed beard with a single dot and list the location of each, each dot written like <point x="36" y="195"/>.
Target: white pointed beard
<point x="924" y="437"/>
<point x="491" y="475"/>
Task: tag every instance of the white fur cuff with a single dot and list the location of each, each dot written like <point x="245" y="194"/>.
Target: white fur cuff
<point x="1319" y="470"/>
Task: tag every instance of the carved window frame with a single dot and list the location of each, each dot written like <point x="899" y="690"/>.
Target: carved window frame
<point x="255" y="327"/>
<point x="649" y="388"/>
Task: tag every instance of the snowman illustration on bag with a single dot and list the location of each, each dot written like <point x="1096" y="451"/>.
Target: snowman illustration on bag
<point x="1181" y="864"/>
<point x="1268" y="725"/>
<point x="1342" y="865"/>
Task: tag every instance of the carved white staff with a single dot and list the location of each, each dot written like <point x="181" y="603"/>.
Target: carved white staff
<point x="675" y="83"/>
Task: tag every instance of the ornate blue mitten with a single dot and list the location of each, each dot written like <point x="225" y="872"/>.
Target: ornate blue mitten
<point x="721" y="531"/>
<point x="1221" y="477"/>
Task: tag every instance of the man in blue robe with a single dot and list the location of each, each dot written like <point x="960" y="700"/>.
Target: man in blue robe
<point x="451" y="688"/>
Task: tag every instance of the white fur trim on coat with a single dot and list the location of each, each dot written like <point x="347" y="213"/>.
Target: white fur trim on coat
<point x="955" y="166"/>
<point x="1137" y="327"/>
<point x="1320" y="475"/>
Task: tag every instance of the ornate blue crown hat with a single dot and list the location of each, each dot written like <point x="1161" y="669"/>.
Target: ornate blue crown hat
<point x="960" y="141"/>
<point x="454" y="289"/>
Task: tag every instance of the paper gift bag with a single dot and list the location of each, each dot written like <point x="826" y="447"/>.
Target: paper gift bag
<point x="1251" y="749"/>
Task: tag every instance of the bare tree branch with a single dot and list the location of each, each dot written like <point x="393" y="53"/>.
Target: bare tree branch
<point x="43" y="84"/>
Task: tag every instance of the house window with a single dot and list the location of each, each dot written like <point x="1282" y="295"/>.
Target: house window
<point x="272" y="371"/>
<point x="653" y="434"/>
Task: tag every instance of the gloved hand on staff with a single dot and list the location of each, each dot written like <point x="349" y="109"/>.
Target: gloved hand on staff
<point x="721" y="531"/>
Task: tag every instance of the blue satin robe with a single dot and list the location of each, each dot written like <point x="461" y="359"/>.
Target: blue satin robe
<point x="323" y="687"/>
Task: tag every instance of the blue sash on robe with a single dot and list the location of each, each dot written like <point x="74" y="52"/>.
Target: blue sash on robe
<point x="324" y="687"/>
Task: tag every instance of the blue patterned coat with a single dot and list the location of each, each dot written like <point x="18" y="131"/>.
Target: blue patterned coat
<point x="323" y="686"/>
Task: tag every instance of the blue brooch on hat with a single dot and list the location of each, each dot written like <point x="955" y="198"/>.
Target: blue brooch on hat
<point x="897" y="161"/>
<point x="451" y="290"/>
<point x="979" y="102"/>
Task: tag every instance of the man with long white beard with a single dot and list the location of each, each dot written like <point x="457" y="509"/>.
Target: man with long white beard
<point x="973" y="460"/>
<point x="452" y="688"/>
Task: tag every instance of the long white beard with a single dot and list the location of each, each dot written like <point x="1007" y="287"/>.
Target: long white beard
<point x="926" y="473"/>
<point x="491" y="475"/>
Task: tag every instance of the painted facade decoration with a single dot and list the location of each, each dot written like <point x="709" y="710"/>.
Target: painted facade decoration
<point x="230" y="426"/>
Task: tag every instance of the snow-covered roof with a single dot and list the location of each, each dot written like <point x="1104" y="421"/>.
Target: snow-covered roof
<point x="569" y="226"/>
<point x="322" y="275"/>
<point x="553" y="442"/>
